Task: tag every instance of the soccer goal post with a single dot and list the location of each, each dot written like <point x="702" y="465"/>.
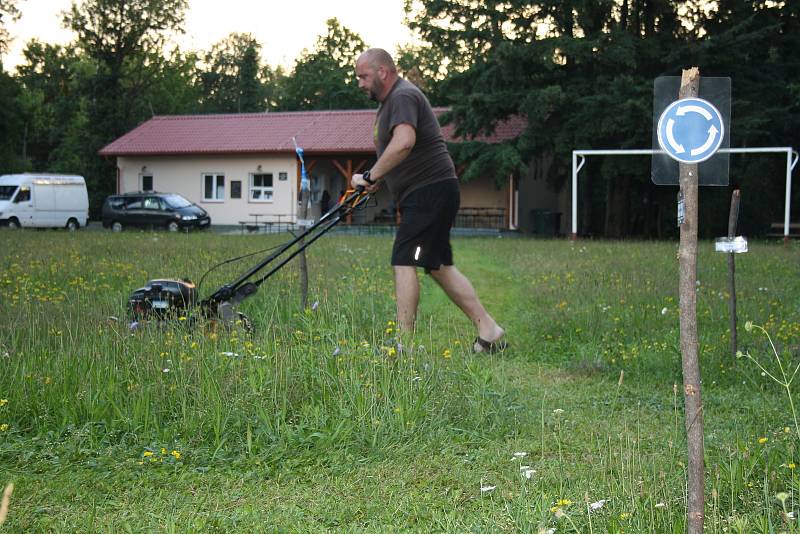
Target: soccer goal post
<point x="579" y="159"/>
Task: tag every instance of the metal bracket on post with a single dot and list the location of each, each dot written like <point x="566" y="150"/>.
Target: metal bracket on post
<point x="576" y="168"/>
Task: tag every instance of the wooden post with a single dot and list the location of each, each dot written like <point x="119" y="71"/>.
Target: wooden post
<point x="347" y="172"/>
<point x="732" y="220"/>
<point x="304" y="197"/>
<point x="687" y="257"/>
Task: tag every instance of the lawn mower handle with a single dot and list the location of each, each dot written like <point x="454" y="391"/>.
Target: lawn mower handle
<point x="241" y="288"/>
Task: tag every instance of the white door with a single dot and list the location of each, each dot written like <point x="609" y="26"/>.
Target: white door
<point x="23" y="206"/>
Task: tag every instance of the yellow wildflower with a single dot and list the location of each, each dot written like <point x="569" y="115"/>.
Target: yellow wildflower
<point x="176" y="455"/>
<point x="763" y="440"/>
<point x="446" y="353"/>
<point x="3" y="402"/>
<point x="3" y="427"/>
<point x="147" y="453"/>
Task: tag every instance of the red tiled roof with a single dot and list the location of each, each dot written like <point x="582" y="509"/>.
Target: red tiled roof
<point x="318" y="132"/>
<point x="505" y="130"/>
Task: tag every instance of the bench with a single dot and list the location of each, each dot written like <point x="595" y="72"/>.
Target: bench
<point x="776" y="230"/>
<point x="480" y="218"/>
<point x="250" y="226"/>
<point x="274" y="223"/>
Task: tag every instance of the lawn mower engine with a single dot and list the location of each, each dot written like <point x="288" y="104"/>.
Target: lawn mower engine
<point x="167" y="299"/>
<point x="162" y="299"/>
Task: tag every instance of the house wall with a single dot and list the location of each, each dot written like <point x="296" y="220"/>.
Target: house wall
<point x="543" y="210"/>
<point x="484" y="205"/>
<point x="483" y="193"/>
<point x="184" y="175"/>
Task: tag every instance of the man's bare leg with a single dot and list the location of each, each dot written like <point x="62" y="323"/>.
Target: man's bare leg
<point x="459" y="289"/>
<point x="406" y="288"/>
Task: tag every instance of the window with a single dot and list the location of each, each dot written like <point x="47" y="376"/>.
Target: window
<point x="152" y="203"/>
<point x="24" y="195"/>
<point x="147" y="182"/>
<point x="133" y="203"/>
<point x="214" y="187"/>
<point x="236" y="189"/>
<point x="261" y="187"/>
<point x="7" y="191"/>
<point x="176" y="201"/>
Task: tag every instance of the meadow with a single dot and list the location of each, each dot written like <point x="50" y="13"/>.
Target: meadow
<point x="316" y="422"/>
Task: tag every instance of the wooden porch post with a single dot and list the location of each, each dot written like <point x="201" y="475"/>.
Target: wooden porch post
<point x="348" y="173"/>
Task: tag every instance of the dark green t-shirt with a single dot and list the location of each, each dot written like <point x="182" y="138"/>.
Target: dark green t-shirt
<point x="429" y="161"/>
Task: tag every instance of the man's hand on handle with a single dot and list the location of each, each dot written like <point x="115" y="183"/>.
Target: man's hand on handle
<point x="364" y="180"/>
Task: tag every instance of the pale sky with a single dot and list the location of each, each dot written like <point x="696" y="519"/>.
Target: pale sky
<point x="284" y="28"/>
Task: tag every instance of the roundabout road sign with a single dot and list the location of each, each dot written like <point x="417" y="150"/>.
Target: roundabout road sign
<point x="690" y="130"/>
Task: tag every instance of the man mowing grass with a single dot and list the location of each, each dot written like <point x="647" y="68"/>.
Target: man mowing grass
<point x="414" y="162"/>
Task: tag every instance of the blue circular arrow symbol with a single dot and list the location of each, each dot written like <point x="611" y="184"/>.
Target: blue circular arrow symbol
<point x="690" y="130"/>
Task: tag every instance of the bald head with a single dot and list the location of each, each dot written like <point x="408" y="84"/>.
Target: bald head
<point x="376" y="73"/>
<point x="378" y="57"/>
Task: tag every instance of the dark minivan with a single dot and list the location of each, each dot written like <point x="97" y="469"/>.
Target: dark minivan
<point x="153" y="210"/>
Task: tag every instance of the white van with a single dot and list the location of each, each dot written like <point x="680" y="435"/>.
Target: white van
<point x="43" y="201"/>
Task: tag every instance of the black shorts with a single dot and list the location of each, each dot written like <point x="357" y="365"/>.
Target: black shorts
<point x="426" y="216"/>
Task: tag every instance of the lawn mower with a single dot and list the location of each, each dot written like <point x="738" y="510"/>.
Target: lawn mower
<point x="164" y="299"/>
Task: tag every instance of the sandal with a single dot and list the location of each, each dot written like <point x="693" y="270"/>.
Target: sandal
<point x="489" y="347"/>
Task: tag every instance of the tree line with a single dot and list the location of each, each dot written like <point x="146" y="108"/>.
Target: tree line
<point x="581" y="71"/>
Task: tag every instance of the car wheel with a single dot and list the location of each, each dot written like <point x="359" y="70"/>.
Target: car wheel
<point x="72" y="225"/>
<point x="173" y="226"/>
<point x="116" y="226"/>
<point x="13" y="223"/>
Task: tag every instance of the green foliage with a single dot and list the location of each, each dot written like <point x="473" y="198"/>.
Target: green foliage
<point x="324" y="78"/>
<point x="53" y="104"/>
<point x="499" y="160"/>
<point x="232" y="80"/>
<point x="114" y="31"/>
<point x="171" y="89"/>
<point x="12" y="125"/>
<point x="425" y="66"/>
<point x="8" y="11"/>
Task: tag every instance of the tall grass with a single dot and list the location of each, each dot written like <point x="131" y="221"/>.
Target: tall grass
<point x="586" y="396"/>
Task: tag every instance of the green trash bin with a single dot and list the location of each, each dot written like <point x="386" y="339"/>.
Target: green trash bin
<point x="537" y="221"/>
<point x="545" y="222"/>
<point x="552" y="223"/>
